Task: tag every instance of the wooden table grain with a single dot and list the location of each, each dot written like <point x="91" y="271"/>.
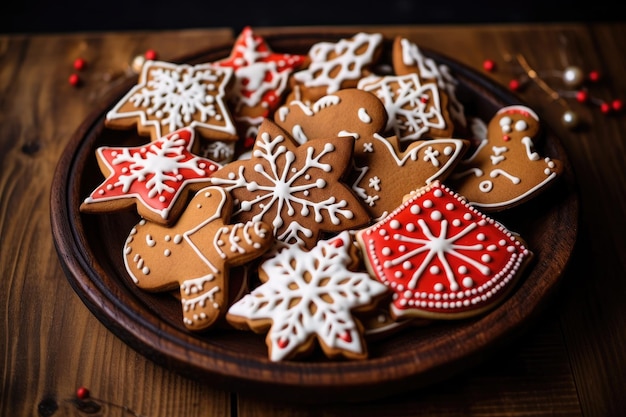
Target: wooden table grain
<point x="569" y="362"/>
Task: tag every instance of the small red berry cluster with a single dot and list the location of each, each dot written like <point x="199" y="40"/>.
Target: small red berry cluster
<point x="88" y="404"/>
<point x="80" y="64"/>
<point x="572" y="76"/>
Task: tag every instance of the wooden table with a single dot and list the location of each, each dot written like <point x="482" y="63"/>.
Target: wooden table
<point x="571" y="362"/>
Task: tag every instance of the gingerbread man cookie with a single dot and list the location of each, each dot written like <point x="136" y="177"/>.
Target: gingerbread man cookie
<point x="308" y="296"/>
<point x="505" y="170"/>
<point x="156" y="178"/>
<point x="441" y="257"/>
<point x="195" y="255"/>
<point x="299" y="190"/>
<point x="168" y="97"/>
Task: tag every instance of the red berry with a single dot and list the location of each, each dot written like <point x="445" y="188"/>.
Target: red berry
<point x="605" y="108"/>
<point x="489" y="65"/>
<point x="82" y="393"/>
<point x="150" y="54"/>
<point x="514" y="84"/>
<point x="582" y="96"/>
<point x="79" y="64"/>
<point x="74" y="80"/>
<point x="594" y="76"/>
<point x="617" y="105"/>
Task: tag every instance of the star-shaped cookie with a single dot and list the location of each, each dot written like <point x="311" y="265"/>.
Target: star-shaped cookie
<point x="195" y="255"/>
<point x="156" y="178"/>
<point x="168" y="97"/>
<point x="261" y="76"/>
<point x="299" y="190"/>
<point x="308" y="296"/>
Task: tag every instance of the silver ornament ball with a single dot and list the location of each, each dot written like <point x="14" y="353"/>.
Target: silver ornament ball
<point x="570" y="119"/>
<point x="573" y="76"/>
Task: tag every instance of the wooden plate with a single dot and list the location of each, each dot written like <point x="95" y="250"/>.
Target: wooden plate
<point x="90" y="250"/>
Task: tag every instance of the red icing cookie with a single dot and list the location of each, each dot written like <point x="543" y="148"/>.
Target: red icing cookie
<point x="156" y="178"/>
<point x="441" y="257"/>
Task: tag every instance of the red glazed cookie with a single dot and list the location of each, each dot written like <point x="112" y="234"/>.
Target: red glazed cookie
<point x="307" y="298"/>
<point x="441" y="257"/>
<point x="156" y="178"/>
<point x="195" y="255"/>
<point x="335" y="66"/>
<point x="296" y="189"/>
<point x="168" y="97"/>
<point x="383" y="174"/>
<point x="505" y="170"/>
<point x="261" y="78"/>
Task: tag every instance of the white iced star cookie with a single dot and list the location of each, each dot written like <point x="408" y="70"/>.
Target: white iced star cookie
<point x="309" y="296"/>
<point x="168" y="97"/>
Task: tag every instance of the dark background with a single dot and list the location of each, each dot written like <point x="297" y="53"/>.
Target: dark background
<point x="22" y="16"/>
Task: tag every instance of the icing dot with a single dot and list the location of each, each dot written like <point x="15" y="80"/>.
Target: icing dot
<point x="467" y="216"/>
<point x="462" y="269"/>
<point x="428" y="203"/>
<point x="178" y="239"/>
<point x="436" y="215"/>
<point x="438" y="287"/>
<point x="449" y="206"/>
<point x="407" y="265"/>
<point x="167" y="252"/>
<point x="435" y="270"/>
<point x="410" y="227"/>
<point x="521" y="125"/>
<point x="162" y="199"/>
<point x="145" y="270"/>
<point x="398" y="274"/>
<point x="394" y="224"/>
<point x="415" y="209"/>
<point x="492" y="248"/>
<point x="438" y="193"/>
<point x="456" y="222"/>
<point x="386" y="251"/>
<point x="480" y="236"/>
<point x="485" y="258"/>
<point x="402" y="248"/>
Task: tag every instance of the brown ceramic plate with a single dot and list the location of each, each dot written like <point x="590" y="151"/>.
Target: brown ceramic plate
<point x="90" y="250"/>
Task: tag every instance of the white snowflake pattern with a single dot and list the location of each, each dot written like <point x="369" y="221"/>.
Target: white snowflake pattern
<point x="413" y="108"/>
<point x="163" y="163"/>
<point x="281" y="190"/>
<point x="310" y="294"/>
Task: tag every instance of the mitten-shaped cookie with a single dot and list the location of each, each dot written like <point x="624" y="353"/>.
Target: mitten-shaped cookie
<point x="195" y="255"/>
<point x="505" y="170"/>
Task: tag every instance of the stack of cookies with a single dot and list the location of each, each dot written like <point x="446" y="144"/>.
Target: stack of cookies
<point x="354" y="194"/>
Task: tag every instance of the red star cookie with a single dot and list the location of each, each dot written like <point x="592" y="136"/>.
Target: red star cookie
<point x="168" y="97"/>
<point x="261" y="76"/>
<point x="308" y="296"/>
<point x="296" y="189"/>
<point x="156" y="177"/>
<point x="195" y="255"/>
<point x="441" y="257"/>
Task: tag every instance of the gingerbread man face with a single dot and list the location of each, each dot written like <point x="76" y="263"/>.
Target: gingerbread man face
<point x="506" y="170"/>
<point x="195" y="255"/>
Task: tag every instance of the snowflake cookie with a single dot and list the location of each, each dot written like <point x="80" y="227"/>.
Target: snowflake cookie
<point x="168" y="97"/>
<point x="307" y="296"/>
<point x="296" y="189"/>
<point x="195" y="255"/>
<point x="156" y="178"/>
<point x="506" y="170"/>
<point x="441" y="257"/>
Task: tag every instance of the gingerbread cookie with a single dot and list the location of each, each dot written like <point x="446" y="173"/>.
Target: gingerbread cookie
<point x="156" y="178"/>
<point x="441" y="257"/>
<point x="168" y="97"/>
<point x="195" y="255"/>
<point x="296" y="189"/>
<point x="308" y="298"/>
<point x="407" y="58"/>
<point x="415" y="110"/>
<point x="335" y="66"/>
<point x="505" y="170"/>
<point x="261" y="78"/>
<point x="382" y="174"/>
